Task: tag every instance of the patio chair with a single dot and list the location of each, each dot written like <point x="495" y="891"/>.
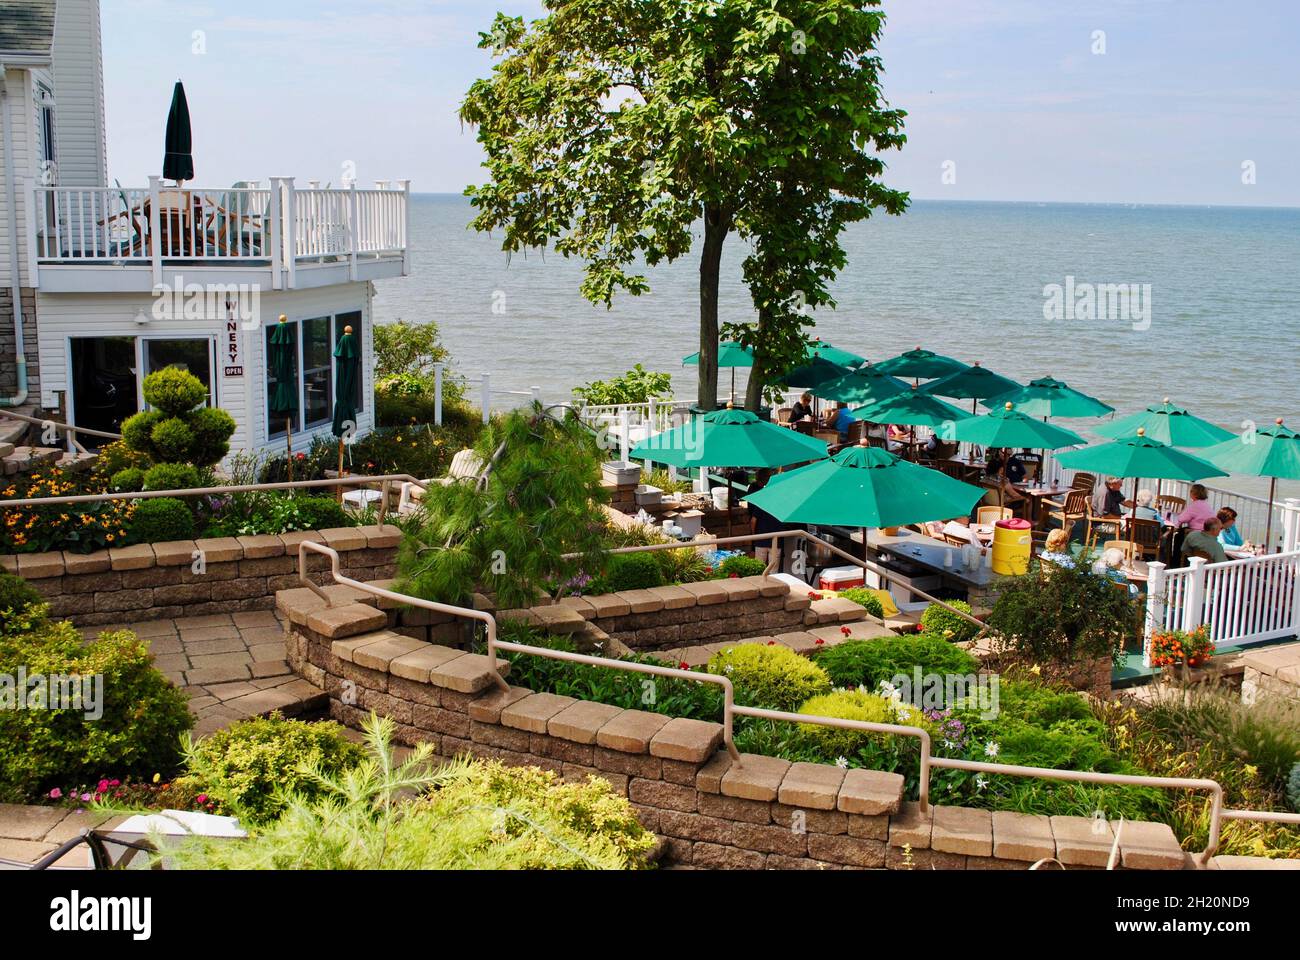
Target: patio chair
<point x="1075" y="508"/>
<point x="1132" y="551"/>
<point x="784" y="414"/>
<point x="1146" y="534"/>
<point x="1083" y="481"/>
<point x="465" y="465"/>
<point x="232" y="233"/>
<point x="1169" y="505"/>
<point x="986" y="515"/>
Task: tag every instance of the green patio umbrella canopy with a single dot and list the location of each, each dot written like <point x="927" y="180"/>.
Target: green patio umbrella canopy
<point x="973" y="383"/>
<point x="920" y="364"/>
<point x="1009" y="428"/>
<point x="862" y="385"/>
<point x="283" y="352"/>
<point x="814" y="373"/>
<point x="345" y="391"/>
<point x="911" y="408"/>
<point x="1168" y="424"/>
<point x="729" y="438"/>
<point x="1272" y="452"/>
<point x="845" y="358"/>
<point x="864" y="486"/>
<point x="729" y="355"/>
<point x="1046" y="397"/>
<point x="178" y="162"/>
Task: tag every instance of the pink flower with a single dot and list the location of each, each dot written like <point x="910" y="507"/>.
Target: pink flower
<point x="202" y="798"/>
<point x="115" y="783"/>
<point x="102" y="787"/>
<point x="85" y="798"/>
<point x="56" y="793"/>
<point x="683" y="665"/>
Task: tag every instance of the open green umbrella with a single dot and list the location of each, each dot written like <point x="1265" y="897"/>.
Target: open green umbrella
<point x="1008" y="428"/>
<point x="283" y="350"/>
<point x="729" y="438"/>
<point x="973" y="383"/>
<point x="1139" y="457"/>
<point x="1046" y="397"/>
<point x="845" y="358"/>
<point x="178" y="161"/>
<point x="345" y="391"/>
<point x="730" y="354"/>
<point x="862" y="385"/>
<point x="910" y="408"/>
<point x="1168" y="424"/>
<point x="920" y="364"/>
<point x="1272" y="452"/>
<point x="864" y="486"/>
<point x="813" y="373"/>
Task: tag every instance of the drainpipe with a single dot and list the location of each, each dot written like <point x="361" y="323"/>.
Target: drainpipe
<point x="11" y="201"/>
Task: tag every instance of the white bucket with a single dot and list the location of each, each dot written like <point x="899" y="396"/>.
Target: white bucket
<point x="721" y="497"/>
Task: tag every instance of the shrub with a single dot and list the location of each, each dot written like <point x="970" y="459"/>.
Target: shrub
<point x="173" y="391"/>
<point x="177" y="429"/>
<point x="632" y="571"/>
<point x="769" y="676"/>
<point x="1293" y="787"/>
<point x="160" y="520"/>
<point x="476" y="815"/>
<point x="866" y="600"/>
<point x="740" y="566"/>
<point x="138" y="732"/>
<point x="831" y="743"/>
<point x="212" y="428"/>
<point x="638" y="385"/>
<point x="686" y="565"/>
<point x="251" y="766"/>
<point x="277" y="513"/>
<point x="115" y="457"/>
<point x="171" y="476"/>
<point x="942" y="622"/>
<point x="128" y="480"/>
<point x="75" y="527"/>
<point x="869" y="662"/>
<point x="16" y="595"/>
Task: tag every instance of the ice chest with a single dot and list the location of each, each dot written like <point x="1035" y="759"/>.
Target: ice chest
<point x="840" y="578"/>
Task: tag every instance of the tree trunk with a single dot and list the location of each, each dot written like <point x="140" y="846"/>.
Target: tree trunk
<point x="716" y="227"/>
<point x="758" y="372"/>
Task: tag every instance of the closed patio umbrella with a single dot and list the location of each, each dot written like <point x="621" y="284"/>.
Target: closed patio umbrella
<point x="345" y="391"/>
<point x="1168" y="424"/>
<point x="283" y="357"/>
<point x="1272" y="452"/>
<point x="178" y="161"/>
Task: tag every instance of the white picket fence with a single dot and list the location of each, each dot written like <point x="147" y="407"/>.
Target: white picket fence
<point x="1240" y="601"/>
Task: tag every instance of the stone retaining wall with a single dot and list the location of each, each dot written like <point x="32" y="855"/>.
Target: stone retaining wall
<point x="165" y="580"/>
<point x="710" y="812"/>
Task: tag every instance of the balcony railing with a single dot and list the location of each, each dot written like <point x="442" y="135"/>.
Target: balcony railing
<point x="278" y="226"/>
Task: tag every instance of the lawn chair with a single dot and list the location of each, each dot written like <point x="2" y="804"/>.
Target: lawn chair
<point x="465" y="465"/>
<point x="1075" y="508"/>
<point x="1146" y="534"/>
<point x="989" y="515"/>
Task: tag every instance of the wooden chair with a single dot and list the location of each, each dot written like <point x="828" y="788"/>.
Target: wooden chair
<point x="1131" y="551"/>
<point x="805" y="427"/>
<point x="1146" y="534"/>
<point x="985" y="515"/>
<point x="857" y="431"/>
<point x="1168" y="504"/>
<point x="1083" y="481"/>
<point x="784" y="414"/>
<point x="1075" y="508"/>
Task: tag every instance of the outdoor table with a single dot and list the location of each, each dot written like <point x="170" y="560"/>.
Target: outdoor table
<point x="1037" y="495"/>
<point x="960" y="531"/>
<point x="1136" y="571"/>
<point x="927" y="552"/>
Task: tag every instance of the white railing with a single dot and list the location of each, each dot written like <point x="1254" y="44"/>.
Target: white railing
<point x="161" y="224"/>
<point x="1240" y="601"/>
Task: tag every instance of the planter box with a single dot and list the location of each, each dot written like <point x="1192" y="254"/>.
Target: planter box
<point x="621" y="472"/>
<point x="647" y="495"/>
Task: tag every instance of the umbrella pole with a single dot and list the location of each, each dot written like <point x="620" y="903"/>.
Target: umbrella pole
<point x="1132" y="525"/>
<point x="340" y="486"/>
<point x="288" y="444"/>
<point x="1268" y="527"/>
<point x="864" y="551"/>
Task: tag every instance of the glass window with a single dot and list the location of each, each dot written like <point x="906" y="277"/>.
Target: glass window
<point x="191" y="355"/>
<point x="317" y="362"/>
<point x="276" y="421"/>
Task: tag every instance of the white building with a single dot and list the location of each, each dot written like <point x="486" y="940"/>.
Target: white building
<point x="103" y="283"/>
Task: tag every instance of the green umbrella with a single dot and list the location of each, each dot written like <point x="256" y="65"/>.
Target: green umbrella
<point x="178" y="162"/>
<point x="345" y="391"/>
<point x="921" y="364"/>
<point x="819" y="348"/>
<point x="1272" y="452"/>
<point x="1168" y="424"/>
<point x="729" y="438"/>
<point x="973" y="383"/>
<point x="864" y="486"/>
<point x="863" y="385"/>
<point x="1139" y="456"/>
<point x="910" y="408"/>
<point x="1008" y="427"/>
<point x="730" y="354"/>
<point x="1046" y="397"/>
<point x="284" y="397"/>
<point x="815" y="372"/>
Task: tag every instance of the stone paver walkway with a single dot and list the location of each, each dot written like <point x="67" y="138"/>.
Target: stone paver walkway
<point x="230" y="665"/>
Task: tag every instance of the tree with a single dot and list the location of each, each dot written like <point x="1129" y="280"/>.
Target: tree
<point x="615" y="128"/>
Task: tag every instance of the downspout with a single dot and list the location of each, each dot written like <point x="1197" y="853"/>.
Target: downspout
<point x="11" y="204"/>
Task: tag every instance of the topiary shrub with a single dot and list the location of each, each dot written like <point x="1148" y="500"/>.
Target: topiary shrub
<point x="171" y="476"/>
<point x="1293" y="788"/>
<point x="176" y="429"/>
<point x="632" y="571"/>
<point x="740" y="566"/>
<point x="137" y="732"/>
<point x="252" y="765"/>
<point x="128" y="480"/>
<point x="865" y="599"/>
<point x="769" y="676"/>
<point x="941" y="622"/>
<point x="161" y="519"/>
<point x="831" y="743"/>
<point x="868" y="662"/>
<point x="321" y="513"/>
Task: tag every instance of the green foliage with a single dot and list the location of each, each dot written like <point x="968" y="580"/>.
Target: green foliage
<point x="509" y="536"/>
<point x="138" y="732"/>
<point x="172" y="439"/>
<point x="278" y="513"/>
<point x="420" y="450"/>
<point x="137" y="431"/>
<point x="869" y="662"/>
<point x="253" y="765"/>
<point x="663" y="480"/>
<point x="686" y="565"/>
<point x="75" y="527"/>
<point x="469" y="815"/>
<point x="1293" y="787"/>
<point x="833" y="743"/>
<point x="16" y="595"/>
<point x="177" y="429"/>
<point x="173" y="392"/>
<point x="115" y="457"/>
<point x="866" y="600"/>
<point x="769" y="676"/>
<point x="740" y="566"/>
<point x="161" y="519"/>
<point x="638" y="385"/>
<point x="404" y="376"/>
<point x="786" y="125"/>
<point x="128" y="480"/>
<point x="632" y="571"/>
<point x="212" y="428"/>
<point x="171" y="476"/>
<point x="943" y="623"/>
<point x="1063" y="616"/>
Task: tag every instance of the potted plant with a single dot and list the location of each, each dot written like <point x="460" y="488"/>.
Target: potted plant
<point x="1181" y="649"/>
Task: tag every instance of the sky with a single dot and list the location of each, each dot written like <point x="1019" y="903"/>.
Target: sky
<point x="1129" y="101"/>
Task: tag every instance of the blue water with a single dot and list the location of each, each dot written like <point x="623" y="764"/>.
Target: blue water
<point x="961" y="278"/>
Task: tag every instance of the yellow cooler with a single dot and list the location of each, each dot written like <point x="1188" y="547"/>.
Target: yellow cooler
<point x="1011" y="543"/>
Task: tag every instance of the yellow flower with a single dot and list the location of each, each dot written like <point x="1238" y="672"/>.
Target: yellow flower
<point x="1251" y="770"/>
<point x="156" y="778"/>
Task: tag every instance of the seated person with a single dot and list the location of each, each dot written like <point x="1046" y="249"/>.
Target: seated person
<point x="802" y="408"/>
<point x="1057" y="549"/>
<point x="839" y="420"/>
<point x="1229" y="532"/>
<point x="1110" y="501"/>
<point x="896" y="437"/>
<point x="1003" y="461"/>
<point x="1205" y="540"/>
<point x="1198" y="508"/>
<point x="1145" y="509"/>
<point x="1111" y="564"/>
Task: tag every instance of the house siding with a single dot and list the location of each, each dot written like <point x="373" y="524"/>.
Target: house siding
<point x="79" y="95"/>
<point x="21" y="110"/>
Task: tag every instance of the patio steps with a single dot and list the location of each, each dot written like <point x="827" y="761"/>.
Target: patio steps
<point x="27" y="459"/>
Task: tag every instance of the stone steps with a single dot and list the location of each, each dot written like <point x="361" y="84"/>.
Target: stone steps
<point x="27" y="459"/>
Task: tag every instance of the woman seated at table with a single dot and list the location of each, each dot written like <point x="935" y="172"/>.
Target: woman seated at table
<point x="999" y="461"/>
<point x="1145" y="509"/>
<point x="1205" y="541"/>
<point x="1229" y="533"/>
<point x="1198" y="508"/>
<point x="1111" y="564"/>
<point x="1057" y="549"/>
<point x="896" y="437"/>
<point x="802" y="408"/>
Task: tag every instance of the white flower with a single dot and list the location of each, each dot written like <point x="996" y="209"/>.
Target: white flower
<point x="980" y="782"/>
<point x="862" y="688"/>
<point x="727" y="668"/>
<point x="842" y="762"/>
<point x="991" y="749"/>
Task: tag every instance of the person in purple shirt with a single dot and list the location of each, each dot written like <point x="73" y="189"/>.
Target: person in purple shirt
<point x="1198" y="508"/>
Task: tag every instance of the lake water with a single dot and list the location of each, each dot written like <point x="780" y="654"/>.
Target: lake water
<point x="965" y="279"/>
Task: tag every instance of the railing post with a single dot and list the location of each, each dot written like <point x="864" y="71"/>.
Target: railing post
<point x="155" y="231"/>
<point x="354" y="237"/>
<point x="537" y="394"/>
<point x="437" y="394"/>
<point x="625" y="427"/>
<point x="487" y="397"/>
<point x="1194" y="595"/>
<point x="1155" y="619"/>
<point x="275" y="235"/>
<point x="34" y="206"/>
<point x="1290" y="524"/>
<point x="290" y="231"/>
<point x="406" y="227"/>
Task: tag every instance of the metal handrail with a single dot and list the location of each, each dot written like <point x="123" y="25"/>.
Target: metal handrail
<point x="730" y="709"/>
<point x="59" y="426"/>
